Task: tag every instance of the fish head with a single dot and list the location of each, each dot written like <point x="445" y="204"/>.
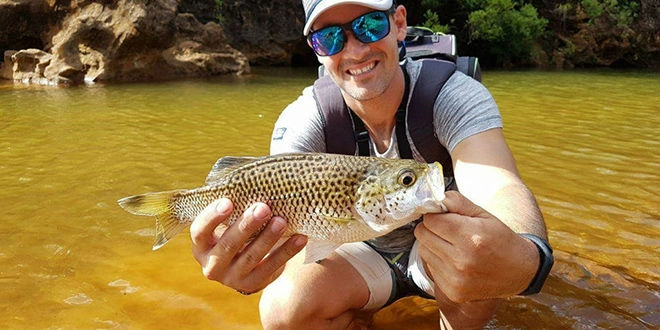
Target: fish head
<point x="394" y="193"/>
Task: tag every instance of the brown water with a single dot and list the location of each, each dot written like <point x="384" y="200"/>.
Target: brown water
<point x="587" y="143"/>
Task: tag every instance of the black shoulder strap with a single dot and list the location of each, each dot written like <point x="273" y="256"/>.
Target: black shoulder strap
<point x="361" y="134"/>
<point x="401" y="127"/>
<point x="337" y="122"/>
<point x="432" y="77"/>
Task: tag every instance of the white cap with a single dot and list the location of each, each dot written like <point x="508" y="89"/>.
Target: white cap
<point x="314" y="8"/>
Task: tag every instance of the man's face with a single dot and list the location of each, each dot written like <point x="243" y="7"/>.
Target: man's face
<point x="363" y="71"/>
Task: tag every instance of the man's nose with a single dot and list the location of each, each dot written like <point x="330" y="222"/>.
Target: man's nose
<point x="354" y="48"/>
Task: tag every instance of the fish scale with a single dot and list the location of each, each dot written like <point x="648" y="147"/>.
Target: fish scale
<point x="330" y="198"/>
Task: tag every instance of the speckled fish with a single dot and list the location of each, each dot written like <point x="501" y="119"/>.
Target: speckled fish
<point x="333" y="199"/>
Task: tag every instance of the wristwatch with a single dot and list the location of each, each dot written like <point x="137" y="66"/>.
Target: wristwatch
<point x="547" y="260"/>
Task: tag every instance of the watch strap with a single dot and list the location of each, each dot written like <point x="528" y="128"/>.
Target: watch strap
<point x="546" y="262"/>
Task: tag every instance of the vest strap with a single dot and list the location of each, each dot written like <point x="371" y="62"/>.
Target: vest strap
<point x="361" y="134"/>
<point x="337" y="122"/>
<point x="433" y="76"/>
<point x="401" y="126"/>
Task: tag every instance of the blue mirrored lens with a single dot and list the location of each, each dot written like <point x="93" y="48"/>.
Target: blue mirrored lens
<point x="367" y="28"/>
<point x="328" y="41"/>
<point x="371" y="27"/>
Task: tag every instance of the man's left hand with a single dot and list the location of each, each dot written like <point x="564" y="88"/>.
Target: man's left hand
<point x="471" y="255"/>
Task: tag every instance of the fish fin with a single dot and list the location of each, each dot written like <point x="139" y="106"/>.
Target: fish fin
<point x="167" y="226"/>
<point x="316" y="251"/>
<point x="339" y="220"/>
<point x="147" y="204"/>
<point x="157" y="204"/>
<point x="224" y="165"/>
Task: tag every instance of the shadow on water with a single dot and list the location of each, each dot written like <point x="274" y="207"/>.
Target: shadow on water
<point x="586" y="143"/>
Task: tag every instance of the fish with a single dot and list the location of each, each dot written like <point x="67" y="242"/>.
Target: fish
<point x="333" y="199"/>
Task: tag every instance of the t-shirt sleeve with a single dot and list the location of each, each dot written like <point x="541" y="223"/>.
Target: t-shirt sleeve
<point x="299" y="127"/>
<point x="464" y="107"/>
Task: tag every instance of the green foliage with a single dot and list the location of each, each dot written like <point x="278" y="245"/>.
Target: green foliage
<point x="218" y="4"/>
<point x="624" y="12"/>
<point x="563" y="10"/>
<point x="509" y="28"/>
<point x="593" y="8"/>
<point x="433" y="22"/>
<point x="580" y="32"/>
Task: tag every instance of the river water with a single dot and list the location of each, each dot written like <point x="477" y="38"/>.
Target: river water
<point x="587" y="143"/>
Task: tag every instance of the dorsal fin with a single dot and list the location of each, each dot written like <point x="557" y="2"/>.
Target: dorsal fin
<point x="224" y="165"/>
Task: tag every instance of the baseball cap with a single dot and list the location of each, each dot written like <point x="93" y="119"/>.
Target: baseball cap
<point x="314" y="8"/>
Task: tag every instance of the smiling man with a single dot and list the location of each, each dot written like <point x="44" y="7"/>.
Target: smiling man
<point x="491" y="243"/>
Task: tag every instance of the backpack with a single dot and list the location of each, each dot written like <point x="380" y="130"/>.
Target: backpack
<point x="421" y="42"/>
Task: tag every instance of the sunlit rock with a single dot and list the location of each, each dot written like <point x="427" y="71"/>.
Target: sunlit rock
<point x="127" y="40"/>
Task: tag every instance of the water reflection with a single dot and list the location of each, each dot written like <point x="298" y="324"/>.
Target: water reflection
<point x="586" y="143"/>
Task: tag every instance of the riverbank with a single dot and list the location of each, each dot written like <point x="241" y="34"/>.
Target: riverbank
<point x="83" y="41"/>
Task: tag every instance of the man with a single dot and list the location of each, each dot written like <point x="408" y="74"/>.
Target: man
<point x="467" y="259"/>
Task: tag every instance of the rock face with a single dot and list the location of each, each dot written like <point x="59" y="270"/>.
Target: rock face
<point x="270" y="34"/>
<point x="125" y="40"/>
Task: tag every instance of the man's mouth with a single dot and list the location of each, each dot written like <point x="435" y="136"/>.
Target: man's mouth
<point x="364" y="69"/>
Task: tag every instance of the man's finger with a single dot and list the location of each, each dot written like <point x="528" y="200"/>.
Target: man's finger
<point x="252" y="254"/>
<point x="272" y="265"/>
<point x="448" y="227"/>
<point x="462" y="213"/>
<point x="457" y="203"/>
<point x="203" y="228"/>
<point x="234" y="238"/>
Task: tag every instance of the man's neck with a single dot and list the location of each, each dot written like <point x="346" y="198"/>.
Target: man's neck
<point x="379" y="114"/>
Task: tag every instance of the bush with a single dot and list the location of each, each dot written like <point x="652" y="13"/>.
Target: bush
<point x="510" y="29"/>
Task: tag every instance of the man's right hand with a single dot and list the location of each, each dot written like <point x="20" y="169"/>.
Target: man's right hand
<point x="230" y="257"/>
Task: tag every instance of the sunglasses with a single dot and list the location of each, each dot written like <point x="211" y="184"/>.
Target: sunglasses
<point x="367" y="28"/>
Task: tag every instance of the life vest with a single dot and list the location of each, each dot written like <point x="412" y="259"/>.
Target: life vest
<point x="345" y="132"/>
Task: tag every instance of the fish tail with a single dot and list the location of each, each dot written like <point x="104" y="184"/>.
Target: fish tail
<point x="160" y="205"/>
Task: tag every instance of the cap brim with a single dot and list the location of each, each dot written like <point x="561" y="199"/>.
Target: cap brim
<point x="325" y="5"/>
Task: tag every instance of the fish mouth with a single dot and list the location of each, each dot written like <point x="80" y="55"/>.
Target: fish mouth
<point x="435" y="192"/>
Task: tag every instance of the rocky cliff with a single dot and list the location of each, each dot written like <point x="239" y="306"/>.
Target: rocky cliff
<point x="75" y="41"/>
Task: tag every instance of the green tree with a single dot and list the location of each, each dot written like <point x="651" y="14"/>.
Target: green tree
<point x="433" y="22"/>
<point x="509" y="28"/>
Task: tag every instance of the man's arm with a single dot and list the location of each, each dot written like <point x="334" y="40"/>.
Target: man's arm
<point x="486" y="173"/>
<point x="473" y="252"/>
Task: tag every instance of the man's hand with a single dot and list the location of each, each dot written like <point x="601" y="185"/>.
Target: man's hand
<point x="230" y="257"/>
<point x="471" y="255"/>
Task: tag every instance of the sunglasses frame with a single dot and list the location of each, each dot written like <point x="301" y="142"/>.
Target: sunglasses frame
<point x="349" y="27"/>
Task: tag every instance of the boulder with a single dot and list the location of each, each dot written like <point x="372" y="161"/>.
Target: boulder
<point x="26" y="66"/>
<point x="129" y="40"/>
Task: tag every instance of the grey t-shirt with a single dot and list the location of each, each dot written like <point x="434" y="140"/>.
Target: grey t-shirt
<point x="464" y="107"/>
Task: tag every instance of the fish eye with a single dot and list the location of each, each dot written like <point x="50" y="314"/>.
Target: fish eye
<point x="407" y="178"/>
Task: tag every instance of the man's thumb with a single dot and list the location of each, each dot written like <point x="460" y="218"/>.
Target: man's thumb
<point x="457" y="203"/>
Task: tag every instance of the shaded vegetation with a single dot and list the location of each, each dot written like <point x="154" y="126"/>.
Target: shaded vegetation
<point x="562" y="34"/>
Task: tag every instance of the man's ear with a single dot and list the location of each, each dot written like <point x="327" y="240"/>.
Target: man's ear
<point x="400" y="16"/>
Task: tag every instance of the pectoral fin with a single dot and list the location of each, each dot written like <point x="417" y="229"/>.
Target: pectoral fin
<point x="339" y="220"/>
<point x="316" y="251"/>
